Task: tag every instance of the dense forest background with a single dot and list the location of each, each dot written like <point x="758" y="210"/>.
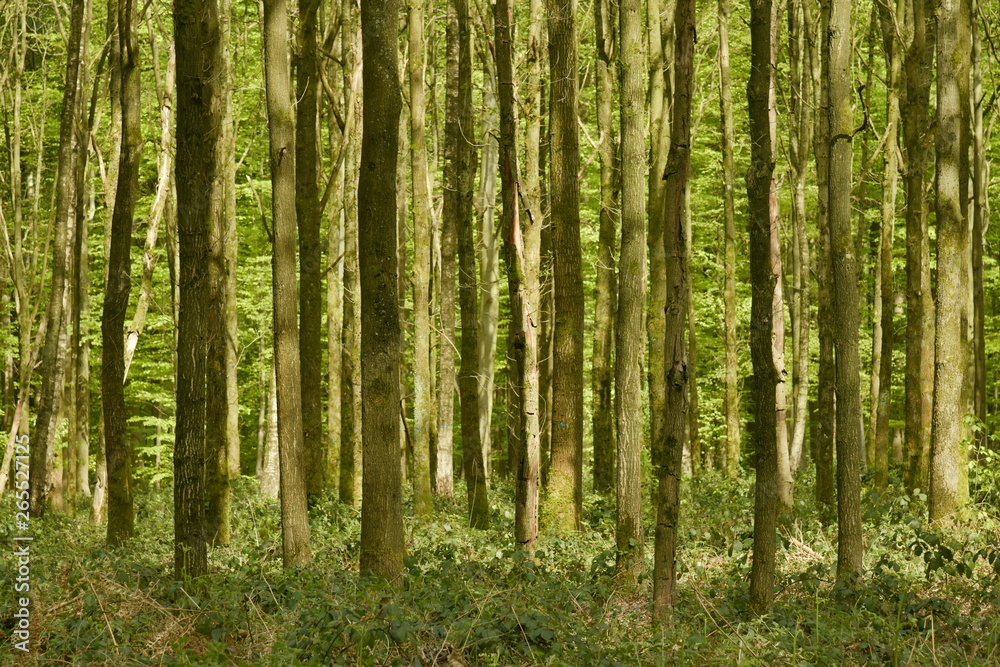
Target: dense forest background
<point x="603" y="332"/>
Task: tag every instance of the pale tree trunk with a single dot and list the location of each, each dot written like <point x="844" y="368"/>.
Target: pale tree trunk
<point x="521" y="246"/>
<point x="281" y="132"/>
<point x="382" y="546"/>
<point x="269" y="475"/>
<point x="801" y="137"/>
<point x="604" y="309"/>
<point x="846" y="306"/>
<point x="54" y="354"/>
<point x="766" y="313"/>
<point x="488" y="252"/>
<point x="948" y="484"/>
<point x="422" y="415"/>
<point x="667" y="461"/>
<point x="350" y="384"/>
<point x="890" y="173"/>
<point x="732" y="399"/>
<point x="629" y="536"/>
<point x="121" y="516"/>
<point x="308" y="217"/>
<point x="564" y="498"/>
<point x="335" y="323"/>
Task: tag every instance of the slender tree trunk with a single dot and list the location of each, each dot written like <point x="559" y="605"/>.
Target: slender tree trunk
<point x="422" y="415"/>
<point x="197" y="43"/>
<point x="846" y="306"/>
<point x="629" y="536"/>
<point x="605" y="306"/>
<point x="661" y="58"/>
<point x="980" y="220"/>
<point x="521" y="245"/>
<point x="472" y="452"/>
<point x="801" y="137"/>
<point x="565" y="485"/>
<point x="382" y="545"/>
<point x="281" y="131"/>
<point x="444" y="478"/>
<point x="732" y="400"/>
<point x="890" y="172"/>
<point x="668" y="464"/>
<point x="696" y="458"/>
<point x="350" y="384"/>
<point x="948" y="455"/>
<point x="54" y="355"/>
<point x="766" y="281"/>
<point x="270" y="477"/>
<point x="121" y="516"/>
<point x="308" y="216"/>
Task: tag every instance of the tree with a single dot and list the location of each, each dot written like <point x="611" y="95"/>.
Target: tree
<point x="308" y="215"/>
<point x="121" y="517"/>
<point x="382" y="545"/>
<point x="54" y="352"/>
<point x="564" y="498"/>
<point x="606" y="52"/>
<point x="846" y="309"/>
<point x="422" y="415"/>
<point x="629" y="536"/>
<point x="667" y="461"/>
<point x="948" y="477"/>
<point x="196" y="42"/>
<point x="281" y="133"/>
<point x="521" y="246"/>
<point x="765" y="275"/>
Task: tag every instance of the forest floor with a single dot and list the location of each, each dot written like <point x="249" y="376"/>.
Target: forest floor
<point x="471" y="598"/>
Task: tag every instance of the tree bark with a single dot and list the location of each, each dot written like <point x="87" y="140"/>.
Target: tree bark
<point x="197" y="43"/>
<point x="521" y="246"/>
<point x="948" y="484"/>
<point x="382" y="545"/>
<point x="564" y="499"/>
<point x="422" y="415"/>
<point x="980" y="221"/>
<point x="308" y="215"/>
<point x="629" y="343"/>
<point x="121" y="516"/>
<point x="846" y="307"/>
<point x="765" y="308"/>
<point x="668" y="462"/>
<point x="605" y="306"/>
<point x="281" y="131"/>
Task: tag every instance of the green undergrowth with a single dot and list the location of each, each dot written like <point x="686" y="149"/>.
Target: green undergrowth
<point x="470" y="598"/>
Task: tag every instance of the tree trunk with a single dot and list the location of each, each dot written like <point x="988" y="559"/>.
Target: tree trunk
<point x="846" y="307"/>
<point x="732" y="399"/>
<point x="472" y="453"/>
<point x="54" y="355"/>
<point x="668" y="462"/>
<point x="382" y="545"/>
<point x="765" y="274"/>
<point x="350" y="384"/>
<point x="196" y="41"/>
<point x="980" y="220"/>
<point x="605" y="306"/>
<point x="444" y="455"/>
<point x="270" y="482"/>
<point x="308" y="214"/>
<point x="629" y="343"/>
<point x="948" y="493"/>
<point x="121" y="516"/>
<point x="281" y="132"/>
<point x="521" y="245"/>
<point x="422" y="415"/>
<point x="564" y="501"/>
<point x="801" y="137"/>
